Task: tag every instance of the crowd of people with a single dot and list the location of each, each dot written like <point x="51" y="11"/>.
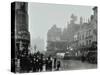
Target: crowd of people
<point x="37" y="62"/>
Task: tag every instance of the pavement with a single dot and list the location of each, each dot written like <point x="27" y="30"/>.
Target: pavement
<point x="76" y="65"/>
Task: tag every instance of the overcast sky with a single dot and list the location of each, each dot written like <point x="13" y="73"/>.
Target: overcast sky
<point x="43" y="16"/>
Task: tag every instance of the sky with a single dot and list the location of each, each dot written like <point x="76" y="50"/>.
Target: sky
<point x="43" y="16"/>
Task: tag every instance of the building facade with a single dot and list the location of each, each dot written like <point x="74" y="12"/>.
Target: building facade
<point x="72" y="27"/>
<point x="53" y="35"/>
<point x="54" y="42"/>
<point x="22" y="35"/>
<point x="86" y="36"/>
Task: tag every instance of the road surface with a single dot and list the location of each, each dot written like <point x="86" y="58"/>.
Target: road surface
<point x="76" y="65"/>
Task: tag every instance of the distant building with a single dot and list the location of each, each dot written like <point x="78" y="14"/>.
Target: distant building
<point x="72" y="27"/>
<point x="54" y="42"/>
<point x="54" y="33"/>
<point x="57" y="40"/>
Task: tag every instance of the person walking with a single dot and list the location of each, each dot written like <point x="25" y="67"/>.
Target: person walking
<point x="46" y="64"/>
<point x="58" y="65"/>
<point x="49" y="64"/>
<point x="55" y="63"/>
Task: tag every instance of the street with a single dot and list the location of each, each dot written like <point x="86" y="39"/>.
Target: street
<point x="76" y="65"/>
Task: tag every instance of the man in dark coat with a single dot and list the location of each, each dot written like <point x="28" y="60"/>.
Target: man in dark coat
<point x="55" y="61"/>
<point x="58" y="65"/>
<point x="49" y="64"/>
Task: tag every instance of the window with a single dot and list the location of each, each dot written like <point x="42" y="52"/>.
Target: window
<point x="83" y="44"/>
<point x="86" y="33"/>
<point x="80" y="37"/>
<point x="89" y="32"/>
<point x="89" y="42"/>
<point x="86" y="42"/>
<point x="83" y="36"/>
